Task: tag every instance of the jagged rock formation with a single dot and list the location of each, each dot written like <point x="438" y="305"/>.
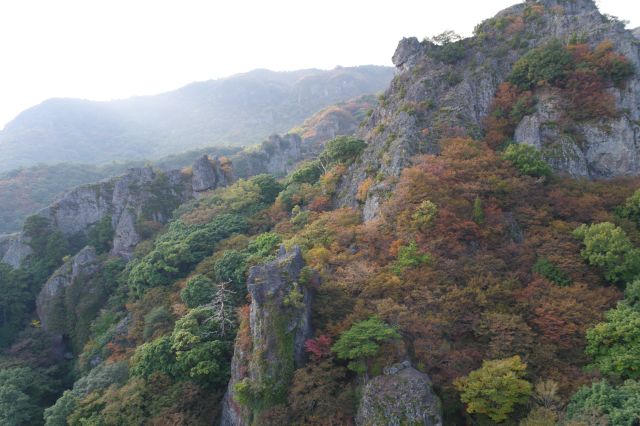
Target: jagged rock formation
<point x="27" y="190"/>
<point x="276" y="156"/>
<point x="607" y="147"/>
<point x="279" y="324"/>
<point x="333" y="122"/>
<point x="402" y="396"/>
<point x="342" y="119"/>
<point x="50" y="303"/>
<point x="141" y="194"/>
<point x="13" y="249"/>
<point x="280" y="155"/>
<point x="441" y="92"/>
<point x="207" y="174"/>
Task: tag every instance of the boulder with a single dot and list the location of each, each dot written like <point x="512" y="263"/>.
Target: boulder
<point x="206" y="175"/>
<point x="401" y="396"/>
<point x="406" y="52"/>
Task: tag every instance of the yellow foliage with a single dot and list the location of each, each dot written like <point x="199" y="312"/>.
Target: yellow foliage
<point x="363" y="189"/>
<point x="318" y="257"/>
<point x="329" y="180"/>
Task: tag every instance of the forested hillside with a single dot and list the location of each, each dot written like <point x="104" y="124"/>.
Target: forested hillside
<point x="470" y="256"/>
<point x="239" y="110"/>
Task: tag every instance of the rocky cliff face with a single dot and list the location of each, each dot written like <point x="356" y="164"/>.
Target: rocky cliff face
<point x="50" y="303"/>
<point x="277" y="156"/>
<point x="447" y="90"/>
<point x="595" y="148"/>
<point x="207" y="174"/>
<point x="279" y="324"/>
<point x="280" y="155"/>
<point x="342" y="119"/>
<point x="13" y="249"/>
<point x="402" y="396"/>
<point x="141" y="194"/>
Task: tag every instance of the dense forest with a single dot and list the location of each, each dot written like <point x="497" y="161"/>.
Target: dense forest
<point x="420" y="271"/>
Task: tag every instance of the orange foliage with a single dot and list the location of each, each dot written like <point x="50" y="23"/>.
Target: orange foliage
<point x="320" y="204"/>
<point x="516" y="25"/>
<point x="585" y="90"/>
<point x="363" y="189"/>
<point x="502" y="120"/>
<point x="478" y="299"/>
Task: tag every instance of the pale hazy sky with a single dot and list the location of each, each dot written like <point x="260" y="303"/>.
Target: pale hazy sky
<point x="112" y="49"/>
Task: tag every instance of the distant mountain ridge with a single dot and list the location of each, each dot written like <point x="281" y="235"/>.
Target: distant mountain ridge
<point x="26" y="190"/>
<point x="242" y="109"/>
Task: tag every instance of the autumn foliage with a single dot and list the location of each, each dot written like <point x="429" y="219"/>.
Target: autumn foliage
<point x="579" y="74"/>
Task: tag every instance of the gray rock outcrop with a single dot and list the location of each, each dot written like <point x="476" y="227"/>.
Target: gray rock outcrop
<point x="402" y="396"/>
<point x="327" y="125"/>
<point x="606" y="148"/>
<point x="207" y="174"/>
<point x="443" y="92"/>
<point x="279" y="323"/>
<point x="50" y="301"/>
<point x="13" y="249"/>
<point x="141" y="194"/>
<point x="406" y="53"/>
<point x="276" y="156"/>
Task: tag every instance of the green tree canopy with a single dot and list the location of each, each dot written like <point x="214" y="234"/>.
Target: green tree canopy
<point x="362" y="341"/>
<point x="608" y="246"/>
<point x="410" y="256"/>
<point x="527" y="159"/>
<point x="16" y="408"/>
<point x="496" y="388"/>
<point x="615" y="343"/>
<point x="198" y="291"/>
<point x="631" y="208"/>
<point x="268" y="186"/>
<point x="619" y="405"/>
<point x="545" y="64"/>
<point x="231" y="268"/>
<point x="342" y="150"/>
<point x="265" y="244"/>
<point x="308" y="172"/>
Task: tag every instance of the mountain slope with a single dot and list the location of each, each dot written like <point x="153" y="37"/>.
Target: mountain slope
<point x="239" y="110"/>
<point x="486" y="285"/>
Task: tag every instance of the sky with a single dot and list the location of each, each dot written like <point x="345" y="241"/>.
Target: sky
<point x="111" y="49"/>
